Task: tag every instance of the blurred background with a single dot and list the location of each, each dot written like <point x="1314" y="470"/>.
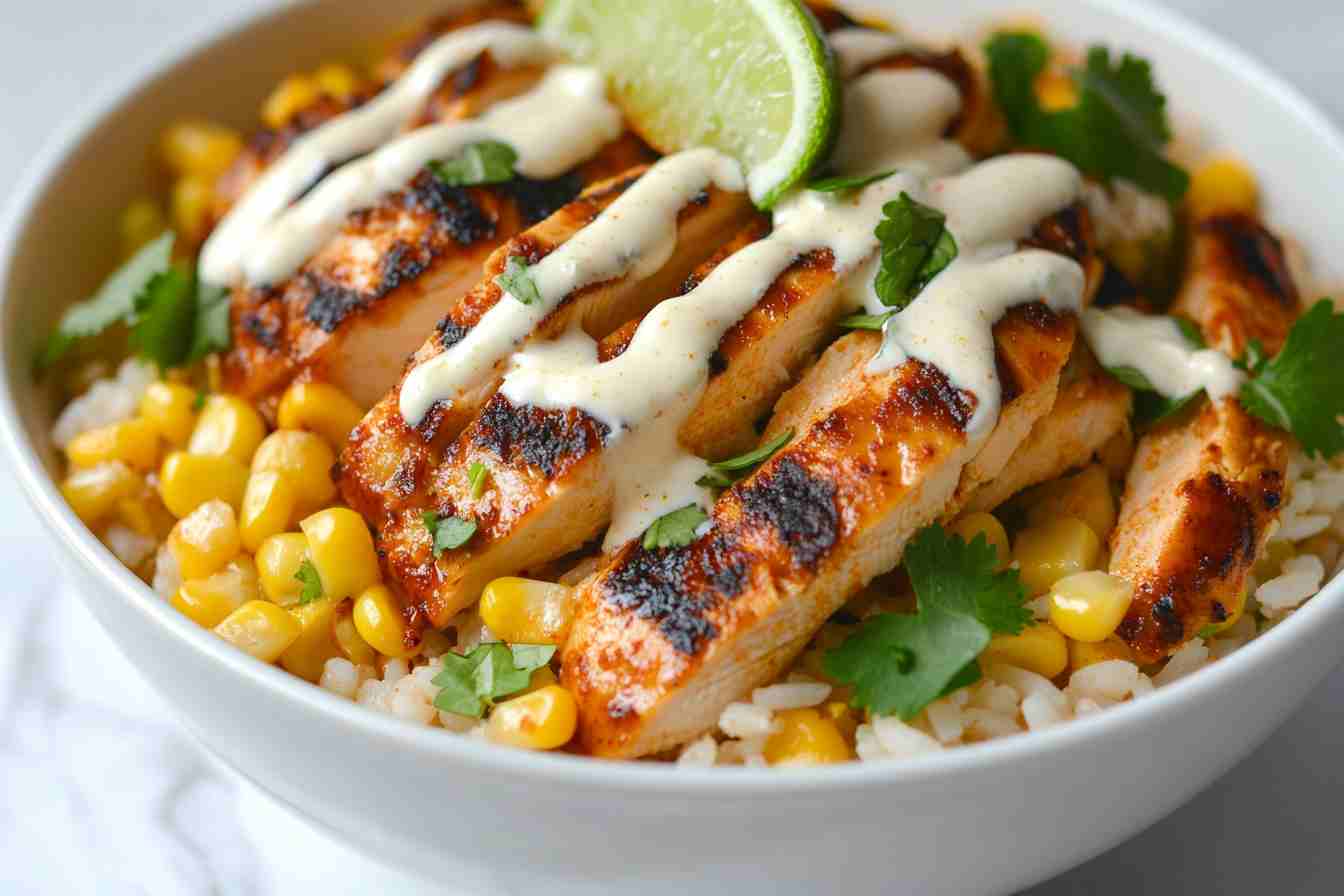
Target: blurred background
<point x="102" y="792"/>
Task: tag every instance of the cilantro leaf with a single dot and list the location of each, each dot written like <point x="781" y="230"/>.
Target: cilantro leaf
<point x="114" y="302"/>
<point x="161" y="323"/>
<point x="1302" y="388"/>
<point x="486" y="162"/>
<point x="312" y="582"/>
<point x="865" y="321"/>
<point x="916" y="246"/>
<point x="900" y="663"/>
<point x="1151" y="408"/>
<point x="472" y="682"/>
<point x="447" y="532"/>
<point x="675" y="529"/>
<point x="844" y="183"/>
<point x="1118" y="127"/>
<point x="516" y="280"/>
<point x="477" y="474"/>
<point x="1190" y="330"/>
<point x="722" y="474"/>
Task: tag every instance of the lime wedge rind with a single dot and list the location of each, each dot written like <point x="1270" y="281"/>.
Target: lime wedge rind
<point x="752" y="78"/>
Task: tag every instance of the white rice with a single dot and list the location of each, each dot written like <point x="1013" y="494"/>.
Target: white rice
<point x="107" y="401"/>
<point x="130" y="546"/>
<point x="793" y="695"/>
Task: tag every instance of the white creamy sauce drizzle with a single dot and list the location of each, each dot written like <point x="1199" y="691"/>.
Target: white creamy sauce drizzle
<point x="224" y="256"/>
<point x="1155" y="346"/>
<point x="562" y="121"/>
<point x="634" y="236"/>
<point x="906" y="109"/>
<point x="857" y="48"/>
<point x="645" y="394"/>
<point x="950" y="323"/>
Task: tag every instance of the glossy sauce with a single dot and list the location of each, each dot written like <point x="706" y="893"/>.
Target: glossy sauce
<point x="1156" y="348"/>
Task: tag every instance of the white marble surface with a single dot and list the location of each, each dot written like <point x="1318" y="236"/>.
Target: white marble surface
<point x="100" y="792"/>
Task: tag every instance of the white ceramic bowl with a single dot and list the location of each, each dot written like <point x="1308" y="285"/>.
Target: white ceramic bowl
<point x="988" y="818"/>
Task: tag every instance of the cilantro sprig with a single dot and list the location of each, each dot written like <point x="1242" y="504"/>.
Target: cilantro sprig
<point x="724" y="473"/>
<point x="915" y="246"/>
<point x="1301" y="389"/>
<point x="845" y="183"/>
<point x="516" y="280"/>
<point x="172" y="317"/>
<point x="475" y="681"/>
<point x="1118" y="127"/>
<point x="899" y="663"/>
<point x="447" y="532"/>
<point x="478" y="474"/>
<point x="312" y="582"/>
<point x="866" y="321"/>
<point x="486" y="162"/>
<point x="675" y="529"/>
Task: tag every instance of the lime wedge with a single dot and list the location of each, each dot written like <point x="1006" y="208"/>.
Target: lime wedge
<point x="751" y="78"/>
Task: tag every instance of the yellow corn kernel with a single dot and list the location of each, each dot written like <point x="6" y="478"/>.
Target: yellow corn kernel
<point x="349" y="640"/>
<point x="144" y="513"/>
<point x="1059" y="548"/>
<point x="134" y="442"/>
<point x="526" y="611"/>
<point x="93" y="492"/>
<point x="140" y="222"/>
<point x="171" y="409"/>
<point x="199" y="147"/>
<point x="192" y="198"/>
<point x="319" y="408"/>
<point x="278" y="560"/>
<point x="804" y="737"/>
<point x="1039" y="648"/>
<point x="843" y="717"/>
<point x="261" y="629"/>
<point x="302" y="458"/>
<point x="1222" y="186"/>
<point x="1082" y="654"/>
<point x="378" y="619"/>
<point x="186" y="481"/>
<point x="1055" y="90"/>
<point x="316" y="642"/>
<point x="986" y="524"/>
<point x="205" y="540"/>
<point x="1086" y="495"/>
<point x="290" y="97"/>
<point x="342" y="550"/>
<point x="542" y="720"/>
<point x="268" y="507"/>
<point x="1087" y="606"/>
<point x="336" y="80"/>
<point x="208" y="601"/>
<point x="227" y="425"/>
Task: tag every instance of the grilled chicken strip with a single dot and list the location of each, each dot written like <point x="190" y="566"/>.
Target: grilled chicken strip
<point x="354" y="311"/>
<point x="456" y="98"/>
<point x="1203" y="491"/>
<point x="551" y="489"/>
<point x="665" y="638"/>
<point x="393" y="473"/>
<point x="1090" y="408"/>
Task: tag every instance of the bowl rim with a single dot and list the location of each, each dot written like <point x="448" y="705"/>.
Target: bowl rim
<point x="655" y="778"/>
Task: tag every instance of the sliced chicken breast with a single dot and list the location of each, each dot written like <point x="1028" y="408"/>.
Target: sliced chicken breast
<point x="1205" y="490"/>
